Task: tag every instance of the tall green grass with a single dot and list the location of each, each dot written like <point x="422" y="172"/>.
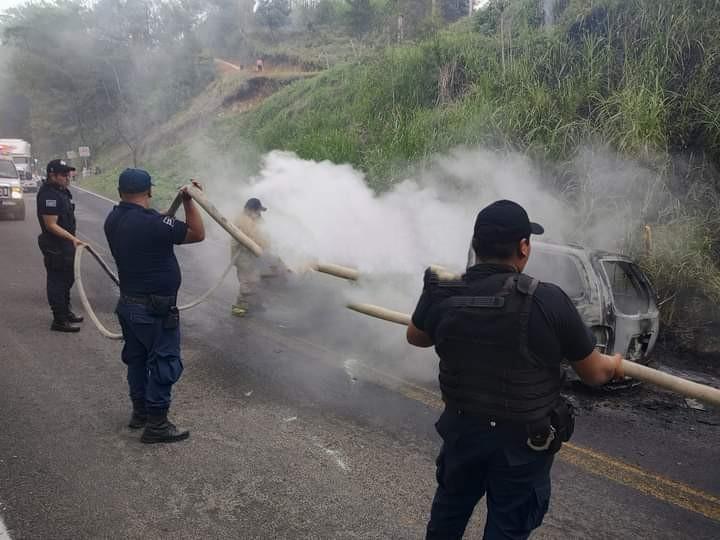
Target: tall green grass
<point x="640" y="76"/>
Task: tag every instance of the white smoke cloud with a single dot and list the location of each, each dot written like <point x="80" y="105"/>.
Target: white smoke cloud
<point x="320" y="211"/>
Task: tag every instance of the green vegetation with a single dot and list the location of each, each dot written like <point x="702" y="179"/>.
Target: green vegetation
<point x="639" y="76"/>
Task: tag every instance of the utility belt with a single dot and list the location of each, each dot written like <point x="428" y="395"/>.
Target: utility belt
<point x="543" y="435"/>
<point x="549" y="433"/>
<point x="164" y="307"/>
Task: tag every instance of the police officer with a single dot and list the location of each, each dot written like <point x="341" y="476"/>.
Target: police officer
<point x="501" y="336"/>
<point x="142" y="242"/>
<point x="57" y="241"/>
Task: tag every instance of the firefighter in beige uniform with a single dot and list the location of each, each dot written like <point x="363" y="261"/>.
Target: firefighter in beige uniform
<point x="246" y="263"/>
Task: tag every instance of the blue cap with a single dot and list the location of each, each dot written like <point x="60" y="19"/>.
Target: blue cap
<point x="134" y="181"/>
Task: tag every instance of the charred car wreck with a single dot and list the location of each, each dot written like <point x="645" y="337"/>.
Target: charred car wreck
<point x="613" y="295"/>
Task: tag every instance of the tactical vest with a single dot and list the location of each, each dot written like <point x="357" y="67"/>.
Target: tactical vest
<point x="481" y="336"/>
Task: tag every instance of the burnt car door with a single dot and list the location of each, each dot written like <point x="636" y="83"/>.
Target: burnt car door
<point x="632" y="311"/>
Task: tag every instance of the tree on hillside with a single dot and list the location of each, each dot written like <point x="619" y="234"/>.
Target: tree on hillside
<point x="360" y="16"/>
<point x="274" y="14"/>
<point x="114" y="67"/>
<point x="452" y="10"/>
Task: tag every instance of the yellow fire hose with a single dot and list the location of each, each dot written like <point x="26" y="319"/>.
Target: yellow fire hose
<point x="637" y="371"/>
<point x="681" y="386"/>
<point x="206" y="205"/>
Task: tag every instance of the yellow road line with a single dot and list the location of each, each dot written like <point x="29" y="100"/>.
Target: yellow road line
<point x="654" y="485"/>
<point x="591" y="461"/>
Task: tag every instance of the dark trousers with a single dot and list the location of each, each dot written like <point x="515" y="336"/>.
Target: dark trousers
<point x="152" y="355"/>
<point x="60" y="278"/>
<point x="477" y="459"/>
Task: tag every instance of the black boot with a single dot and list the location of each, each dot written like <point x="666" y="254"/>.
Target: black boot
<point x="75" y="318"/>
<point x="139" y="415"/>
<point x="63" y="325"/>
<point x="160" y="430"/>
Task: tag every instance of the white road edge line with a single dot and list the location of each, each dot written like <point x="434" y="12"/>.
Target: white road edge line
<point x="4" y="534"/>
<point x="93" y="193"/>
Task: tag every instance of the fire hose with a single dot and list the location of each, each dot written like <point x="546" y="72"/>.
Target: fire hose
<point x="637" y="371"/>
<point x="675" y="384"/>
<point x="199" y="197"/>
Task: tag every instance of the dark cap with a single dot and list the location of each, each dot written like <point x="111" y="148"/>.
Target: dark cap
<point x="503" y="222"/>
<point x="59" y="166"/>
<point x="254" y="204"/>
<point x="134" y="181"/>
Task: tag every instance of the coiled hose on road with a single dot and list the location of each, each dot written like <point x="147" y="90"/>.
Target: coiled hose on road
<point x="664" y="380"/>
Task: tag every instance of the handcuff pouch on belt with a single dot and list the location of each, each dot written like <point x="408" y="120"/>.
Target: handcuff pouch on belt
<point x="164" y="306"/>
<point x="549" y="433"/>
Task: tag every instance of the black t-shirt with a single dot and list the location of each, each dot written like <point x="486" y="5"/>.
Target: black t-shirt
<point x="555" y="330"/>
<point x="54" y="200"/>
<point x="141" y="241"/>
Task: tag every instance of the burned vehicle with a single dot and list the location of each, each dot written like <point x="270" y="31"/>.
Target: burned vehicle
<point x="614" y="297"/>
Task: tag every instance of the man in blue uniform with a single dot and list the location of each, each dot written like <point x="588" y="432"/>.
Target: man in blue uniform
<point x="501" y="337"/>
<point x="142" y="242"/>
<point x="57" y="241"/>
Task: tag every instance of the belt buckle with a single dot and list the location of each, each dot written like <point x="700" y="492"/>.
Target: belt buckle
<point x="548" y="441"/>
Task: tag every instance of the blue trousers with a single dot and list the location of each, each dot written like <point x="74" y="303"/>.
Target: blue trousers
<point x="60" y="277"/>
<point x="152" y="356"/>
<point x="478" y="459"/>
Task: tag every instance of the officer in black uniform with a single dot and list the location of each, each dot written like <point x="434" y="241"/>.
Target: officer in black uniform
<point x="501" y="337"/>
<point x="57" y="241"/>
<point x="142" y="242"/>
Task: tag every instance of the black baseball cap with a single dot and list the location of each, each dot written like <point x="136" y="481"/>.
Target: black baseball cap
<point x="59" y="166"/>
<point x="134" y="181"/>
<point x="503" y="222"/>
<point x="254" y="204"/>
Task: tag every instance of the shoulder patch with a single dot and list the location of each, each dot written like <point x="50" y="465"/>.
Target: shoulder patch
<point x="169" y="221"/>
<point x="50" y="203"/>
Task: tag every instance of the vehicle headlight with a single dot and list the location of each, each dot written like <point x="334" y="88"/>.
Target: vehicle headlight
<point x="16" y="192"/>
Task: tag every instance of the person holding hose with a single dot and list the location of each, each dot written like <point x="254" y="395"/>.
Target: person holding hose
<point x="247" y="265"/>
<point x="57" y="242"/>
<point x="142" y="242"/>
<point x="501" y="337"/>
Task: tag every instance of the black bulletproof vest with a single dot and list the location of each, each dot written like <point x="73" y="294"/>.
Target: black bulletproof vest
<point x="481" y="336"/>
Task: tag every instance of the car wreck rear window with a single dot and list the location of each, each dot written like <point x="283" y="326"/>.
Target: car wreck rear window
<point x="559" y="269"/>
<point x="629" y="293"/>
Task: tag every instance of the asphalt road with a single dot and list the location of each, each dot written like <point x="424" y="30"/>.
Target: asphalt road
<point x="298" y="430"/>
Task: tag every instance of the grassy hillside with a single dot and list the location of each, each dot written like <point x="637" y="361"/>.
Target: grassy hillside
<point x="639" y="76"/>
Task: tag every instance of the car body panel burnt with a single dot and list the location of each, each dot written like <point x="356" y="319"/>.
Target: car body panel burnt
<point x="612" y="294"/>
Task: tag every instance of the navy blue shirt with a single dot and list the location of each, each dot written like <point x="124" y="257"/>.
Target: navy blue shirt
<point x="555" y="330"/>
<point x="55" y="200"/>
<point x="142" y="241"/>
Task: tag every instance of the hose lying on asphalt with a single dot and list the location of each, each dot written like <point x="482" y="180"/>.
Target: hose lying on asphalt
<point x="91" y="312"/>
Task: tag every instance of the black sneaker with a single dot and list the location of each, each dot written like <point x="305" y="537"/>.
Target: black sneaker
<point x="75" y="318"/>
<point x="63" y="326"/>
